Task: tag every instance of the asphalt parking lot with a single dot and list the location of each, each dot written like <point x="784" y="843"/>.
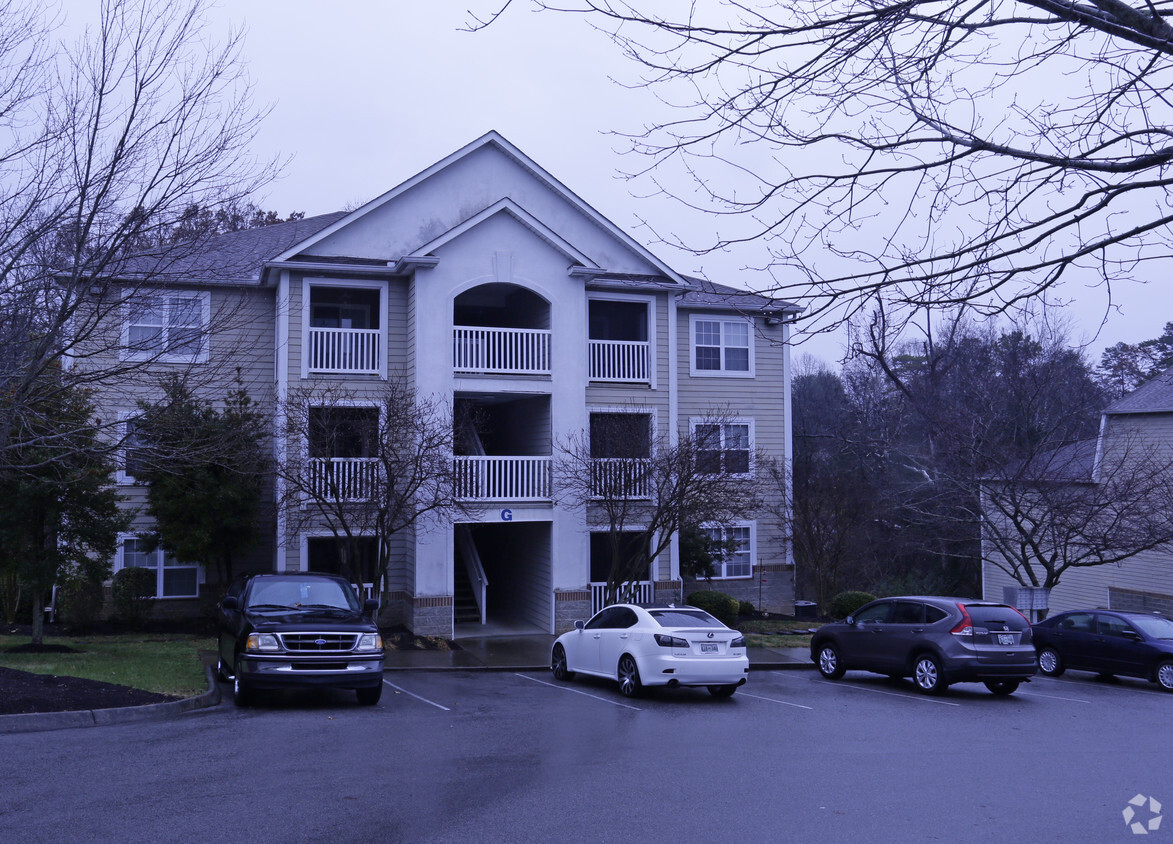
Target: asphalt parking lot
<point x="518" y="756"/>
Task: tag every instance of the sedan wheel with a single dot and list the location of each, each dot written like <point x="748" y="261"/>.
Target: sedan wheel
<point x="1165" y="676"/>
<point x="830" y="666"/>
<point x="1049" y="662"/>
<point x="629" y="682"/>
<point x="723" y="691"/>
<point x="1002" y="687"/>
<point x="927" y="675"/>
<point x="558" y="664"/>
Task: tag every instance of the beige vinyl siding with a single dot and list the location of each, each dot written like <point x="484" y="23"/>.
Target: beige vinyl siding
<point x="759" y="399"/>
<point x="1148" y="572"/>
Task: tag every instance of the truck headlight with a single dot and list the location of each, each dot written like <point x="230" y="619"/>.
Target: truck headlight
<point x="265" y="642"/>
<point x="369" y="643"/>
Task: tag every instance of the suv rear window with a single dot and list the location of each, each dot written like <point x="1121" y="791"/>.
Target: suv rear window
<point x="996" y="617"/>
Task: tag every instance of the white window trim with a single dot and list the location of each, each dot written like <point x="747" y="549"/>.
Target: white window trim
<point x="126" y="353"/>
<point x="695" y="421"/>
<point x="650" y="301"/>
<point x="306" y="286"/>
<point x="120" y="564"/>
<point x="722" y="372"/>
<point x="753" y="550"/>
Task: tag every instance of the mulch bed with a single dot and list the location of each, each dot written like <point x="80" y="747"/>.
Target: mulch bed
<point x="22" y="692"/>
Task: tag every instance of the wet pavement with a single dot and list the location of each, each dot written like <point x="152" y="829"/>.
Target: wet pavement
<point x="529" y="652"/>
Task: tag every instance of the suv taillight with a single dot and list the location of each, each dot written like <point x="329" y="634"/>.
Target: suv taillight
<point x="965" y="626"/>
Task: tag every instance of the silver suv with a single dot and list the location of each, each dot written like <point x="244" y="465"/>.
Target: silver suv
<point x="936" y="641"/>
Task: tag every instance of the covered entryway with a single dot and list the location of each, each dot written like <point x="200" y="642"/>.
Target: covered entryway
<point x="503" y="578"/>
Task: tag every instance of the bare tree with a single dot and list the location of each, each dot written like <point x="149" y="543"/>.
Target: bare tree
<point x="1089" y="504"/>
<point x="643" y="490"/>
<point x="367" y="466"/>
<point x="925" y="153"/>
<point x="103" y="144"/>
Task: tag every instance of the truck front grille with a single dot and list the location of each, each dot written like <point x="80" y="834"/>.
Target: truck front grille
<point x="319" y="642"/>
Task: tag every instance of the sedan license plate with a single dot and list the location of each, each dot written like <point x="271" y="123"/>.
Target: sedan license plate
<point x="708" y="648"/>
<point x="1005" y="638"/>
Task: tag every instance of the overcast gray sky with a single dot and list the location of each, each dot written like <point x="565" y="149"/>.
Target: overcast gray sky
<point x="367" y="94"/>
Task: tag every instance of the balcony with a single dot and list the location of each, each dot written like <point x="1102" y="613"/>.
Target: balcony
<point x="342" y="478"/>
<point x="617" y="478"/>
<point x="624" y="361"/>
<point x="351" y="351"/>
<point x="503" y="478"/>
<point x="500" y="351"/>
<point x="637" y="592"/>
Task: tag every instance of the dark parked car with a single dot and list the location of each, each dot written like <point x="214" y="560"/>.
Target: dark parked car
<point x="1109" y="643"/>
<point x="303" y="629"/>
<point x="936" y="641"/>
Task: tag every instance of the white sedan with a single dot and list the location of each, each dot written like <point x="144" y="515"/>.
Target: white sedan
<point x="655" y="646"/>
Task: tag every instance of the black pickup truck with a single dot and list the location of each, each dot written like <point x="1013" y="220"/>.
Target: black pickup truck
<point x="297" y="630"/>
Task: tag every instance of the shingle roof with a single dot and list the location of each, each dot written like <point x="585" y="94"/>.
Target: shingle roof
<point x="1075" y="462"/>
<point x="707" y="293"/>
<point x="232" y="257"/>
<point x="1153" y="396"/>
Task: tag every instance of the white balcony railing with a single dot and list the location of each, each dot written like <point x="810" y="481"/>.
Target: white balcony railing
<point x="501" y="351"/>
<point x="620" y="360"/>
<point x="503" y="478"/>
<point x="621" y="477"/>
<point x="639" y="592"/>
<point x="342" y="478"/>
<point x="347" y="350"/>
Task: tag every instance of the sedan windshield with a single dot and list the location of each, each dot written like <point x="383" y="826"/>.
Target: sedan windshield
<point x="1154" y="626"/>
<point x="684" y="618"/>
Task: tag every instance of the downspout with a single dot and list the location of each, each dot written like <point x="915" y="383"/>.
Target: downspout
<point x="281" y="380"/>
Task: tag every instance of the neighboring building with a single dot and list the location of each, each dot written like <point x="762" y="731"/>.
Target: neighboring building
<point x="485" y="281"/>
<point x="1142" y="423"/>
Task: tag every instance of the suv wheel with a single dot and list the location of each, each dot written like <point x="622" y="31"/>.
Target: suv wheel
<point x="926" y="673"/>
<point x="830" y="665"/>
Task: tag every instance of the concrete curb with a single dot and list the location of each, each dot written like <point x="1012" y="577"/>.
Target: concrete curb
<point x="40" y="721"/>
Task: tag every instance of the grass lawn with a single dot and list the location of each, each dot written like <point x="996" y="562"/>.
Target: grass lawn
<point x="763" y="633"/>
<point x="164" y="663"/>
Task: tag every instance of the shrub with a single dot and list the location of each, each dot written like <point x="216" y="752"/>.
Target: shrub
<point x="845" y="603"/>
<point x="724" y="608"/>
<point x="79" y="602"/>
<point x="746" y="608"/>
<point x="133" y="594"/>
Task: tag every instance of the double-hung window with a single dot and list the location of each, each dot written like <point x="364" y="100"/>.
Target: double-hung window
<point x="173" y="579"/>
<point x="721" y="346"/>
<point x="169" y="326"/>
<point x="724" y="447"/>
<point x="739" y="561"/>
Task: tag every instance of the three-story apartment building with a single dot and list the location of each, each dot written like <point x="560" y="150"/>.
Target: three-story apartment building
<point x="485" y="281"/>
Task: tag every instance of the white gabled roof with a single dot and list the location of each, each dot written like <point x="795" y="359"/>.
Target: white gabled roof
<point x="496" y="140"/>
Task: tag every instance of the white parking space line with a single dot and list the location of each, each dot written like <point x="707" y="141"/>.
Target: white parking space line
<point x="772" y="700"/>
<point x="1052" y="697"/>
<point x="417" y="697"/>
<point x="890" y="694"/>
<point x="578" y="692"/>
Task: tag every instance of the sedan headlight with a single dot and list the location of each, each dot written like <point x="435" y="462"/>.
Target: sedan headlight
<point x="738" y="642"/>
<point x="369" y="643"/>
<point x="265" y="642"/>
<point x="666" y="641"/>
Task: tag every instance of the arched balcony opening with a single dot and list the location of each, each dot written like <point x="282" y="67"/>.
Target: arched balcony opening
<point x="500" y="329"/>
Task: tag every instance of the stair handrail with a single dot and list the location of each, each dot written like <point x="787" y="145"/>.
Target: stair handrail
<point x="473" y="567"/>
